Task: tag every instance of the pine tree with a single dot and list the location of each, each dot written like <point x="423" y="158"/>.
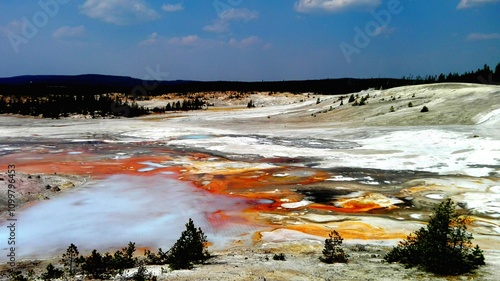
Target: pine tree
<point x="189" y="249"/>
<point x="333" y="252"/>
<point x="97" y="265"/>
<point x="125" y="258"/>
<point x="351" y="98"/>
<point x="69" y="259"/>
<point x="443" y="247"/>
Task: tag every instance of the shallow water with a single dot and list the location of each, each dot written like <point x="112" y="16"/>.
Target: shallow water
<point x="145" y="192"/>
<point x="150" y="211"/>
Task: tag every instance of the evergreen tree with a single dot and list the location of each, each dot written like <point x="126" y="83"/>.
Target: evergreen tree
<point x="51" y="273"/>
<point x="69" y="259"/>
<point x="125" y="258"/>
<point x="443" y="247"/>
<point x="189" y="249"/>
<point x="351" y="98"/>
<point x="97" y="265"/>
<point x="333" y="252"/>
<point x="496" y="76"/>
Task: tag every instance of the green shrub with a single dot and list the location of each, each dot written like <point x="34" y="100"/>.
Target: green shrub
<point x="424" y="109"/>
<point x="410" y="104"/>
<point x="142" y="274"/>
<point x="279" y="257"/>
<point x="333" y="252"/>
<point x="17" y="276"/>
<point x="52" y="273"/>
<point x="189" y="249"/>
<point x="392" y="109"/>
<point x="155" y="259"/>
<point x="443" y="247"/>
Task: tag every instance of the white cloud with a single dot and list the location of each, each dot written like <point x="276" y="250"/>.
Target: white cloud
<point x="14" y="26"/>
<point x="250" y="41"/>
<point x="151" y="40"/>
<point x="189" y="40"/>
<point x="218" y="27"/>
<point x="68" y="32"/>
<point x="464" y="4"/>
<point x="239" y="14"/>
<point x="308" y="6"/>
<point x="120" y="12"/>
<point x="172" y="7"/>
<point x="483" y="36"/>
<point x="384" y="30"/>
<point x="223" y="22"/>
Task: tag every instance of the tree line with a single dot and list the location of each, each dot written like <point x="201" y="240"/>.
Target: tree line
<point x="105" y="105"/>
<point x="60" y="96"/>
<point x="443" y="247"/>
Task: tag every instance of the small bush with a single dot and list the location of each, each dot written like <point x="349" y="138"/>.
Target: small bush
<point x="392" y="109"/>
<point x="443" y="247"/>
<point x="142" y="274"/>
<point x="279" y="257"/>
<point x="17" y="276"/>
<point x="424" y="109"/>
<point x="360" y="248"/>
<point x="333" y="252"/>
<point x="155" y="259"/>
<point x="410" y="104"/>
<point x="52" y="273"/>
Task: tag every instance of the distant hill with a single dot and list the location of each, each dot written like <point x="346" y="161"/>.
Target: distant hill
<point x="91" y="84"/>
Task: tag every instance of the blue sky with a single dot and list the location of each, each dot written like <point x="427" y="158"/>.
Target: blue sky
<point x="248" y="40"/>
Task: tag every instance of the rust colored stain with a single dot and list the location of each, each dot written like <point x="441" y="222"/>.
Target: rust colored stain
<point x="98" y="168"/>
<point x="349" y="230"/>
<point x="219" y="219"/>
<point x="274" y="185"/>
<point x="351" y="207"/>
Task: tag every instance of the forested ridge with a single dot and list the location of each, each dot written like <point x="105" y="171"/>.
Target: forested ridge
<point x="102" y="95"/>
